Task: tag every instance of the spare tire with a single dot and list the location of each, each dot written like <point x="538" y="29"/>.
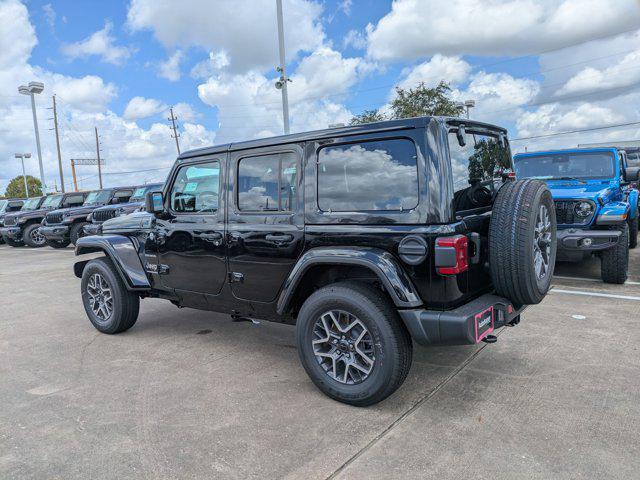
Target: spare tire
<point x="522" y="241"/>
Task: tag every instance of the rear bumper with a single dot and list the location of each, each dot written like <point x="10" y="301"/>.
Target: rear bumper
<point x="465" y="325"/>
<point x="55" y="232"/>
<point x="587" y="240"/>
<point x="12" y="233"/>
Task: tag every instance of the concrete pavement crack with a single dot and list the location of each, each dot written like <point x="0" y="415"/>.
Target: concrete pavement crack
<point x="408" y="412"/>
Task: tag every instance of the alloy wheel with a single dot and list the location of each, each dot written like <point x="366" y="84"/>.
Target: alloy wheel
<point x="100" y="297"/>
<point x="37" y="237"/>
<point x="542" y="243"/>
<point x="343" y="347"/>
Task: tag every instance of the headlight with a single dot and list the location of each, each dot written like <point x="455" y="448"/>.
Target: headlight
<point x="22" y="220"/>
<point x="583" y="209"/>
<point x="119" y="211"/>
<point x="67" y="219"/>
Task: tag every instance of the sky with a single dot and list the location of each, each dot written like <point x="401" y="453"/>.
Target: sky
<point x="536" y="67"/>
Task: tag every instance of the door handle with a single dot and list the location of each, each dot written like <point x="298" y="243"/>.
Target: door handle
<point x="279" y="238"/>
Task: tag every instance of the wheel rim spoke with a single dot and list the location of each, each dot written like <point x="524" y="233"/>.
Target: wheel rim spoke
<point x="100" y="297"/>
<point x="343" y="347"/>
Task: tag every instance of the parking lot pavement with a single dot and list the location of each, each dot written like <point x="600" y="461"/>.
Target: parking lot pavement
<point x="190" y="394"/>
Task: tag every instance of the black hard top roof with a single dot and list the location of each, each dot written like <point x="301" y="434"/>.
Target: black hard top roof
<point x="385" y="126"/>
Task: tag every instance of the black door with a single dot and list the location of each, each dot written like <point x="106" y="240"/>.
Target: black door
<point x="265" y="230"/>
<point x="190" y="242"/>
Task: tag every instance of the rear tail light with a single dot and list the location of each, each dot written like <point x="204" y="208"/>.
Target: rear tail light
<point x="452" y="254"/>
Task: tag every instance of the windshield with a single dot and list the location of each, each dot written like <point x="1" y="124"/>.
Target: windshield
<point x="566" y="165"/>
<point x="53" y="201"/>
<point x="139" y="193"/>
<point x="99" y="196"/>
<point x="3" y="205"/>
<point x="31" y="204"/>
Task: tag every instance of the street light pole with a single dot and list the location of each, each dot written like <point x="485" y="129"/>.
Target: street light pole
<point x="32" y="89"/>
<point x="282" y="83"/>
<point x="22" y="156"/>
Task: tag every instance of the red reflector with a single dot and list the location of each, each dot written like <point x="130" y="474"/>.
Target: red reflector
<point x="460" y="244"/>
<point x="510" y="309"/>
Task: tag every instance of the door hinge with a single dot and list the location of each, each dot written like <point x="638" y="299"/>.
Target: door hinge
<point x="236" y="277"/>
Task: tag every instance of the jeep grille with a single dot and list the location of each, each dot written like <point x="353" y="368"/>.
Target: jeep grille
<point x="100" y="216"/>
<point x="53" y="218"/>
<point x="566" y="213"/>
<point x="10" y="221"/>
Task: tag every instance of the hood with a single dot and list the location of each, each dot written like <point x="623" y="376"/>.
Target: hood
<point x="571" y="189"/>
<point x="77" y="211"/>
<point x="129" y="206"/>
<point x="133" y="221"/>
<point x="40" y="213"/>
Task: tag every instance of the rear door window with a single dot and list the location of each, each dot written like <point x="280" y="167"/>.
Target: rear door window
<point x="377" y="175"/>
<point x="267" y="183"/>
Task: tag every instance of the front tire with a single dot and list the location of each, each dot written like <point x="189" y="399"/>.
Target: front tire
<point x="615" y="261"/>
<point x="352" y="343"/>
<point x="111" y="308"/>
<point x="14" y="243"/>
<point x="633" y="232"/>
<point x="32" y="237"/>
<point x="76" y="231"/>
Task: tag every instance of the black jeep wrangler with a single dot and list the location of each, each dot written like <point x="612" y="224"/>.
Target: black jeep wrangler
<point x="64" y="226"/>
<point x="135" y="204"/>
<point x="9" y="205"/>
<point x="23" y="227"/>
<point x="364" y="237"/>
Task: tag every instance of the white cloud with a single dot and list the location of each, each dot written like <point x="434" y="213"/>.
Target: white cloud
<point x="49" y="15"/>
<point x="83" y="102"/>
<point x="355" y="39"/>
<point x="170" y="69"/>
<point x="452" y="70"/>
<point x="249" y="106"/>
<point x="17" y="35"/>
<point x="140" y="107"/>
<point x="419" y="28"/>
<point x="211" y="66"/>
<point x="244" y="30"/>
<point x="101" y="44"/>
<point x="184" y="112"/>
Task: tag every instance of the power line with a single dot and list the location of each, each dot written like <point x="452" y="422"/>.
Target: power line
<point x="568" y="132"/>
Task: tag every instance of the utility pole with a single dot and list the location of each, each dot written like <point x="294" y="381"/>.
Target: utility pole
<point x="175" y="135"/>
<point x="73" y="174"/>
<point x="98" y="157"/>
<point x="282" y="83"/>
<point x="55" y="125"/>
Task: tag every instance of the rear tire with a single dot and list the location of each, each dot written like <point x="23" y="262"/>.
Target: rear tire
<point x="58" y="243"/>
<point x="76" y="231"/>
<point x="32" y="238"/>
<point x="522" y="241"/>
<point x="379" y="343"/>
<point x="633" y="232"/>
<point x="615" y="261"/>
<point x="111" y="308"/>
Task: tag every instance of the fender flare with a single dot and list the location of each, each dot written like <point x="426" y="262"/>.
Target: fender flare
<point x="380" y="262"/>
<point x="123" y="253"/>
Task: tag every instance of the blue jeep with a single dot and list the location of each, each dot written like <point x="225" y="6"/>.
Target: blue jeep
<point x="596" y="207"/>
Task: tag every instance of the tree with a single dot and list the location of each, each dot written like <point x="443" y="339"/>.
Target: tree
<point x="416" y="102"/>
<point x="368" y="116"/>
<point x="488" y="157"/>
<point x="15" y="189"/>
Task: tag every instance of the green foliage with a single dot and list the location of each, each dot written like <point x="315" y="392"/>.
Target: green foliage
<point x="15" y="189"/>
<point x="415" y="102"/>
<point x="488" y="156"/>
<point x="368" y="116"/>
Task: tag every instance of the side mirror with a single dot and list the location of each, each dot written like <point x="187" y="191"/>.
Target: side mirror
<point x="154" y="202"/>
<point x="632" y="174"/>
<point x="115" y="201"/>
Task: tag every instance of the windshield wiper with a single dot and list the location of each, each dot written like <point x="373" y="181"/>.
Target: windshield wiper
<point x="571" y="178"/>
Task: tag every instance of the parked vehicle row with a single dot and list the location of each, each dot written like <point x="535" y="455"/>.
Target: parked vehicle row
<point x="60" y="219"/>
<point x="367" y="238"/>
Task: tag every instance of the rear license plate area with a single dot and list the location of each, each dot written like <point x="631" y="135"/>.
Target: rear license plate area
<point x="484" y="323"/>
